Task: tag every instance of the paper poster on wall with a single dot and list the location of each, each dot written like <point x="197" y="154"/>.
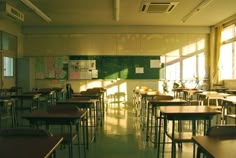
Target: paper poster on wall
<point x="155" y="64"/>
<point x="85" y="75"/>
<point x="139" y="70"/>
<point x="51" y="68"/>
<point x="74" y="75"/>
<point x="82" y="69"/>
<point x="87" y="64"/>
<point x="51" y="74"/>
<point x="39" y="75"/>
<point x="94" y="73"/>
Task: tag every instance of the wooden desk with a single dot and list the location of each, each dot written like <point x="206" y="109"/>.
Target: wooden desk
<point x="212" y="95"/>
<point x="33" y="97"/>
<point x="216" y="147"/>
<point x="176" y="113"/>
<point x="28" y="147"/>
<point x="144" y="108"/>
<point x="88" y="104"/>
<point x="231" y="91"/>
<point x="46" y="94"/>
<point x="154" y="104"/>
<point x="227" y="103"/>
<point x="188" y="93"/>
<point x="55" y="118"/>
<point x="99" y="102"/>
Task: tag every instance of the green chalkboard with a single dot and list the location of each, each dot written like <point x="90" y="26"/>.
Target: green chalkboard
<point x="125" y="67"/>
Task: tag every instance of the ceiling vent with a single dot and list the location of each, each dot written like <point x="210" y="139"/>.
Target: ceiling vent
<point x="157" y="7"/>
<point x="9" y="10"/>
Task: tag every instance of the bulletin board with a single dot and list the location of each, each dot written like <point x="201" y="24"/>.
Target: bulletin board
<point x="51" y="68"/>
<point x="114" y="67"/>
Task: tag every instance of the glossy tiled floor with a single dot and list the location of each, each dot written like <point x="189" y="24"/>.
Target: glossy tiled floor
<point x="122" y="137"/>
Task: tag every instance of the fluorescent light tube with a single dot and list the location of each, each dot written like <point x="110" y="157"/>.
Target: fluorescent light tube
<point x="36" y="10"/>
<point x="117" y="9"/>
<point x="200" y="6"/>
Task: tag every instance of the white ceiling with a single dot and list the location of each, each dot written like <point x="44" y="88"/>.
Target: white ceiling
<point x="102" y="12"/>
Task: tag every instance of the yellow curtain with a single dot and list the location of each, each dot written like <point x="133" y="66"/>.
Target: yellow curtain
<point x="215" y="79"/>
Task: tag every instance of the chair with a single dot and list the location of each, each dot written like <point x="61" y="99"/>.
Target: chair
<point x="69" y="91"/>
<point x="119" y="98"/>
<point x="155" y="113"/>
<point x="219" y="131"/>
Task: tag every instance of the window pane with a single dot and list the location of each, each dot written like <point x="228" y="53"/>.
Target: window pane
<point x="189" y="49"/>
<point x="226" y="64"/>
<point x="8" y="66"/>
<point x="201" y="66"/>
<point x="227" y="33"/>
<point x="201" y="44"/>
<point x="172" y="56"/>
<point x="234" y="59"/>
<point x="189" y="68"/>
<point x="173" y="71"/>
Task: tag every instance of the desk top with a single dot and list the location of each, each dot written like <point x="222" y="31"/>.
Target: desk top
<point x="231" y="91"/>
<point x="231" y="99"/>
<point x="157" y="102"/>
<point x="217" y="148"/>
<point x="28" y="147"/>
<point x="188" y="112"/>
<point x="27" y="95"/>
<point x="53" y="117"/>
<point x="214" y="94"/>
<point x="42" y="91"/>
<point x="90" y="95"/>
<point x="81" y="103"/>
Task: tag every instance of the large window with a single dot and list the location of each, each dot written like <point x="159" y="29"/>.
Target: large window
<point x="227" y="61"/>
<point x="8" y="66"/>
<point x="187" y="63"/>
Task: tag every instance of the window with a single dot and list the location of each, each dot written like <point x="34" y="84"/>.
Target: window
<point x="173" y="71"/>
<point x="201" y="66"/>
<point x="8" y="66"/>
<point x="189" y="72"/>
<point x="227" y="63"/>
<point x="186" y="63"/>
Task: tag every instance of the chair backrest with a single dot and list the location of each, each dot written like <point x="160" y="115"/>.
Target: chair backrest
<point x="222" y="131"/>
<point x="19" y="132"/>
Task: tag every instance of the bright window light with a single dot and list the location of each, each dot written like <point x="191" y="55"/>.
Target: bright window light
<point x="8" y="66"/>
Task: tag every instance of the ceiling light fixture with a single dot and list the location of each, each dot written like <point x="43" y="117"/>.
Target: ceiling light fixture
<point x="117" y="9"/>
<point x="198" y="8"/>
<point x="36" y="10"/>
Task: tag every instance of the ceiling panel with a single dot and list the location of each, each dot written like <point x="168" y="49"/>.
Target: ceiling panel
<point x="102" y="12"/>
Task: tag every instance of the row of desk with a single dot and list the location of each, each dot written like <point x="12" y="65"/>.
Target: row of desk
<point x="148" y="106"/>
<point x="89" y="115"/>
